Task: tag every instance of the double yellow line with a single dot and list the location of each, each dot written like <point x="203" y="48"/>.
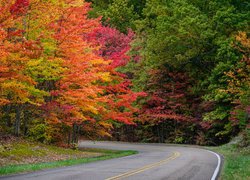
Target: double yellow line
<point x="144" y="168"/>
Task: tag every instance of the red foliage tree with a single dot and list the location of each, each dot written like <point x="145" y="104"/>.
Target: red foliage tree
<point x="170" y="110"/>
<point x="169" y="99"/>
<point x="20" y="7"/>
<point x="113" y="44"/>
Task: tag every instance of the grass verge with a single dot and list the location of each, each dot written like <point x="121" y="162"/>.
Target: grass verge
<point x="104" y="154"/>
<point x="236" y="165"/>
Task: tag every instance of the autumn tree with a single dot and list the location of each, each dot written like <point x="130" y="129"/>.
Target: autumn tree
<point x="52" y="77"/>
<point x="18" y="89"/>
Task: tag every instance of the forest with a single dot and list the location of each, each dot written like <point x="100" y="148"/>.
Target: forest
<point x="167" y="71"/>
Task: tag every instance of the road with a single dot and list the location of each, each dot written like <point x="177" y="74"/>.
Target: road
<point x="153" y="162"/>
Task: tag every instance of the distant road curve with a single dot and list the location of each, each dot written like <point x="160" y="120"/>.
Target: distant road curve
<point x="153" y="162"/>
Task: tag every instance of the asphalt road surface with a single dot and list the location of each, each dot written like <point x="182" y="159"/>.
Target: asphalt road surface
<point x="153" y="162"/>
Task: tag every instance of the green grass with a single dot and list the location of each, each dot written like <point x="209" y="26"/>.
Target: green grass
<point x="23" y="149"/>
<point x="236" y="164"/>
<point x="20" y="150"/>
<point x="108" y="154"/>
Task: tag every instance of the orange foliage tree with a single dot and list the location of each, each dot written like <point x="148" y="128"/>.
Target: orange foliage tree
<point x="51" y="75"/>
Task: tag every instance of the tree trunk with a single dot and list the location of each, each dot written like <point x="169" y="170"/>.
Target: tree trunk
<point x="25" y="119"/>
<point x="17" y="121"/>
<point x="162" y="132"/>
<point x="158" y="133"/>
<point x="7" y="117"/>
<point x="77" y="133"/>
<point x="74" y="133"/>
<point x="69" y="137"/>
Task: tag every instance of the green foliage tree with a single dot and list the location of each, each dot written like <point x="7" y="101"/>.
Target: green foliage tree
<point x="195" y="37"/>
<point x="119" y="14"/>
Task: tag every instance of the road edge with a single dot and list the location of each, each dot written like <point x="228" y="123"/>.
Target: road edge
<point x="218" y="167"/>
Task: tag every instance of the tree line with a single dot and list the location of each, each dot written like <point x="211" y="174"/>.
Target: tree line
<point x="192" y="60"/>
<point x="58" y="72"/>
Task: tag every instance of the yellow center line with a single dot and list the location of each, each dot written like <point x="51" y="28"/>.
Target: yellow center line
<point x="144" y="168"/>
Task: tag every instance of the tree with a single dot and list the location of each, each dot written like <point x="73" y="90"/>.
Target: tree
<point x="119" y="14"/>
<point x="113" y="44"/>
<point x="192" y="37"/>
<point x="17" y="87"/>
<point x="239" y="83"/>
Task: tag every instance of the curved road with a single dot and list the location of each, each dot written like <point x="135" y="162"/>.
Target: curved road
<point x="153" y="162"/>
